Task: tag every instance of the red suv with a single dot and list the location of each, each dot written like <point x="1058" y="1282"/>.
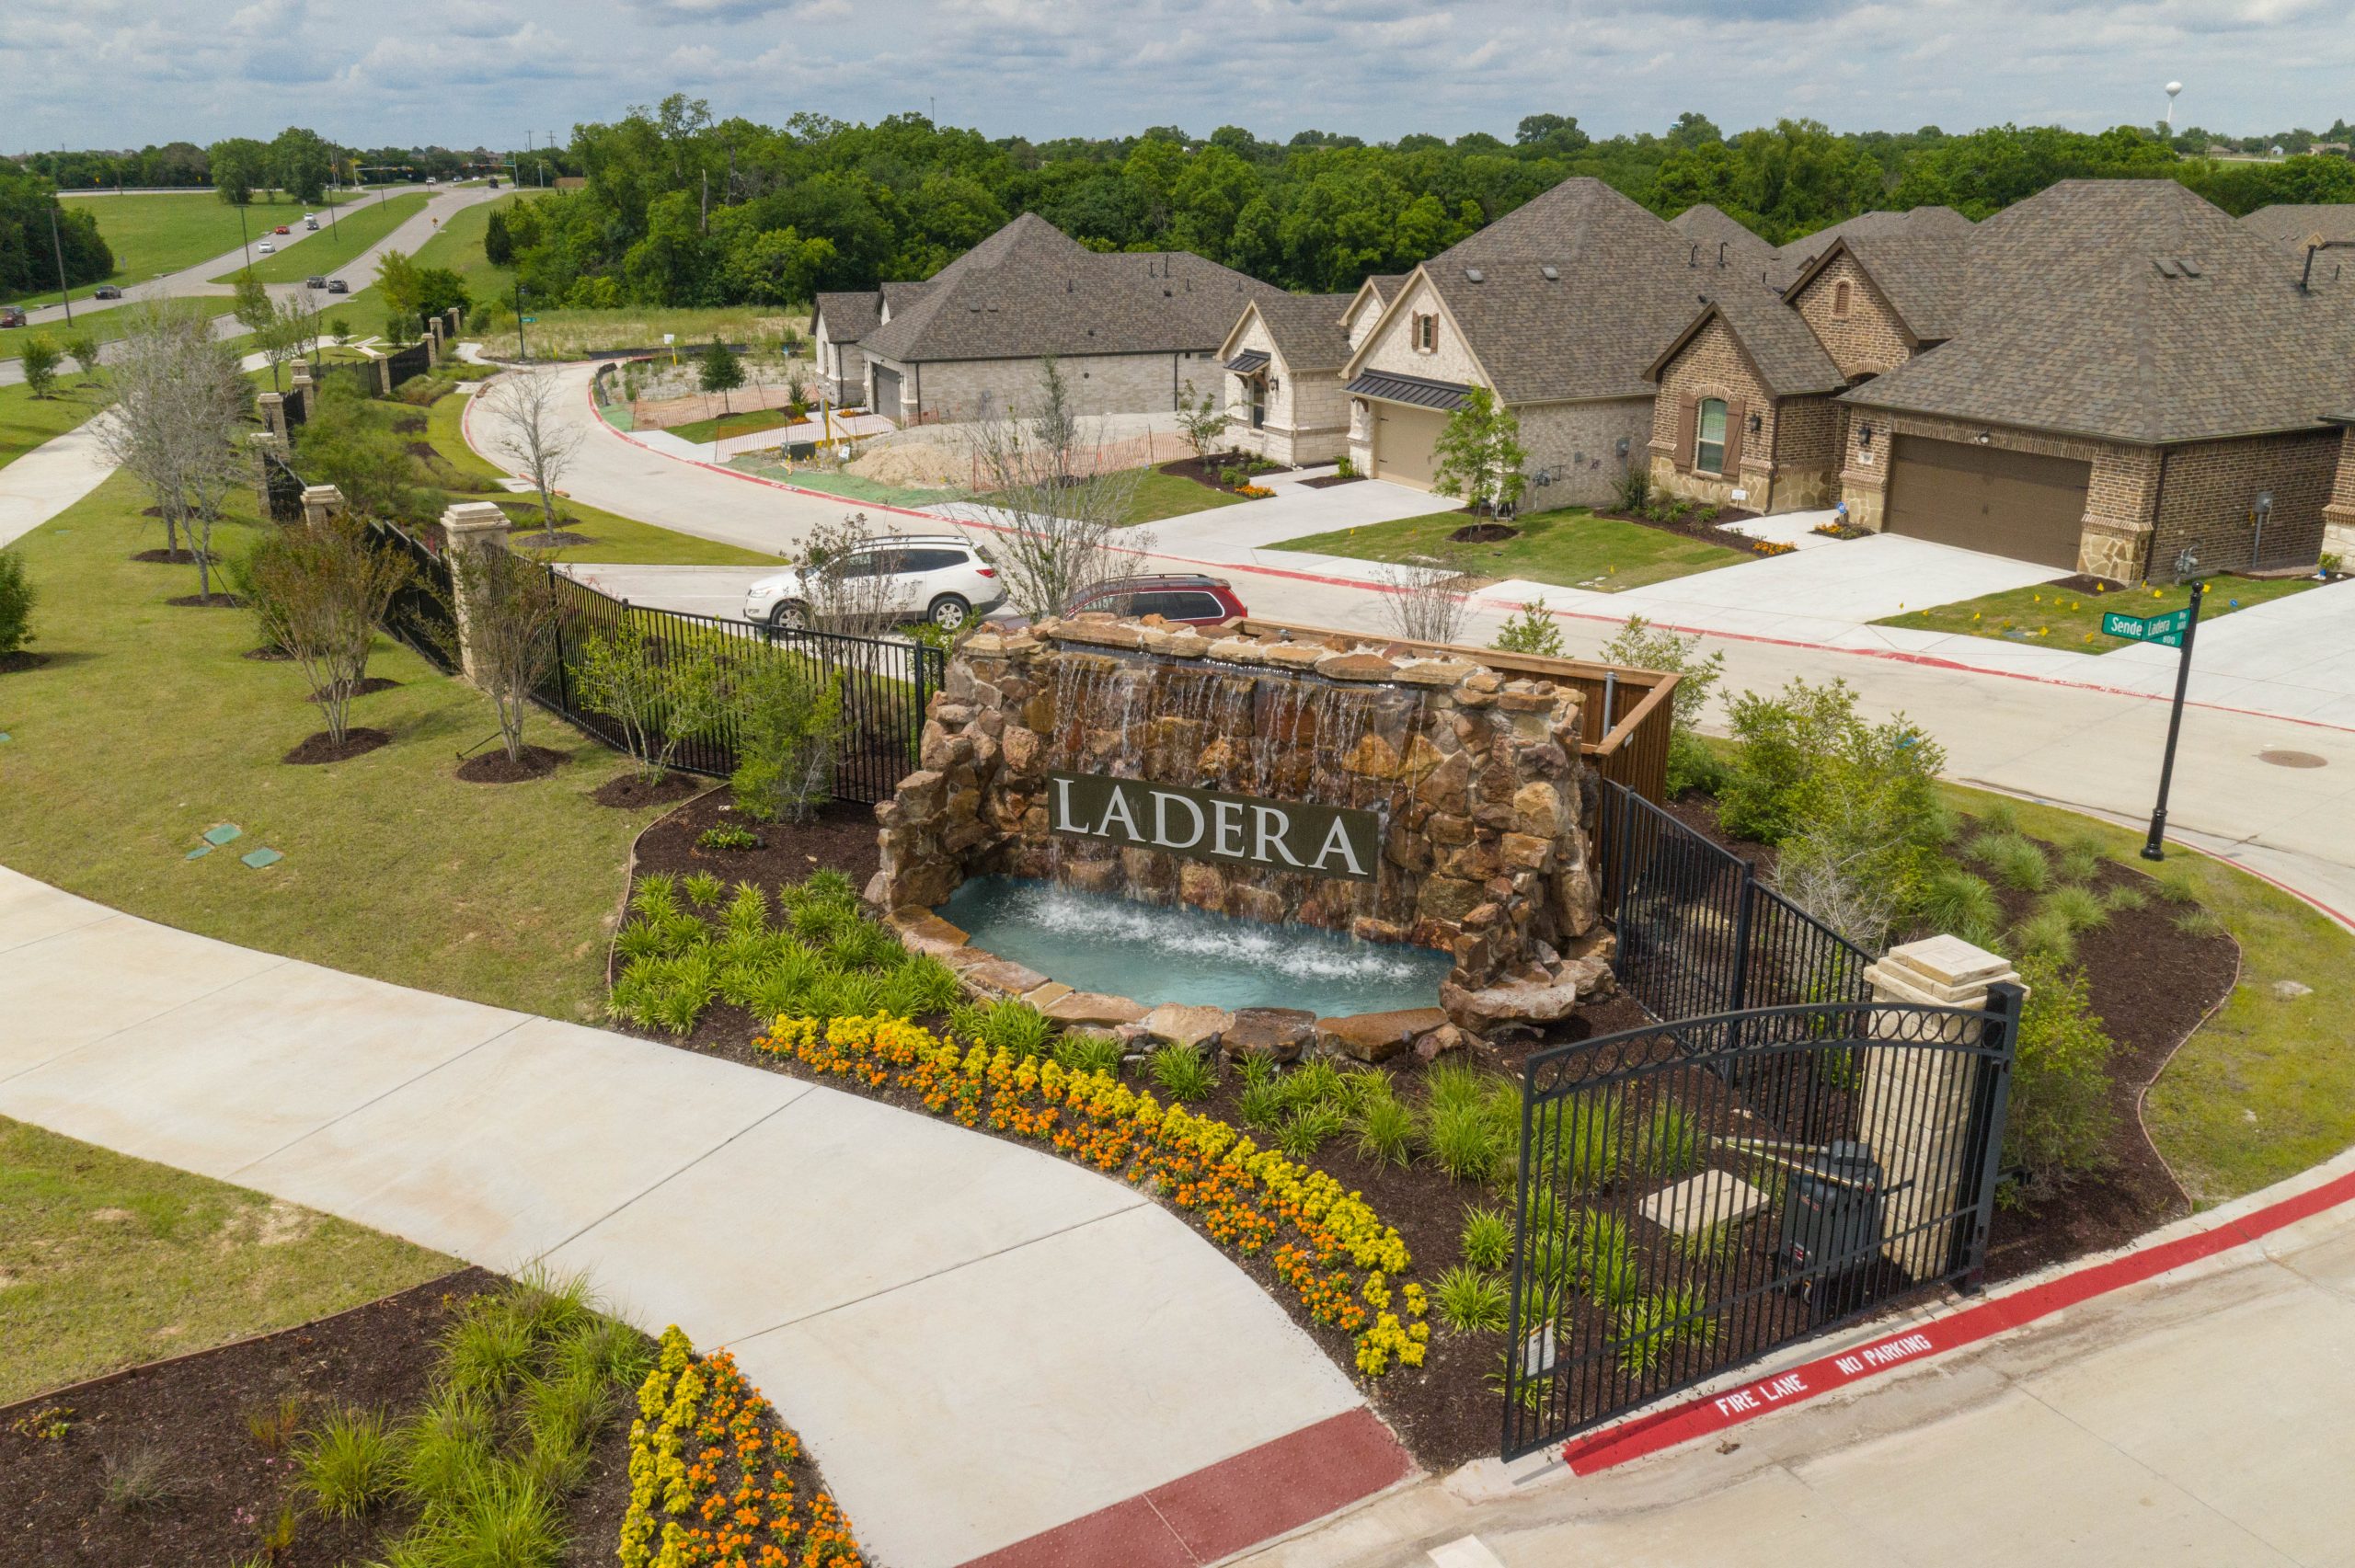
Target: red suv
<point x="12" y="315"/>
<point x="1188" y="597"/>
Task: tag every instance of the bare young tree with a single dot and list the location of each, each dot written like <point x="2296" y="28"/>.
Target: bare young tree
<point x="180" y="407"/>
<point x="845" y="584"/>
<point x="320" y="593"/>
<point x="1202" y="422"/>
<point x="532" y="432"/>
<point x="512" y="612"/>
<point x="1425" y="599"/>
<point x="1049" y="480"/>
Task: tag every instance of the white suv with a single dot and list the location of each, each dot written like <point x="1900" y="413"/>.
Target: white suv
<point x="941" y="577"/>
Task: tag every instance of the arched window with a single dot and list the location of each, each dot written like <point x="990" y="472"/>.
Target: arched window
<point x="1840" y="299"/>
<point x="1710" y="437"/>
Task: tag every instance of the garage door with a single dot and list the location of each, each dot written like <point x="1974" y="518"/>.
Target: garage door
<point x="887" y="392"/>
<point x="2018" y="504"/>
<point x="1403" y="438"/>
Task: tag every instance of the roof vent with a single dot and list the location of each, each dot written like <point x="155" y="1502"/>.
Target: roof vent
<point x="1548" y="271"/>
<point x="1474" y="275"/>
<point x="2165" y="266"/>
<point x="2190" y="268"/>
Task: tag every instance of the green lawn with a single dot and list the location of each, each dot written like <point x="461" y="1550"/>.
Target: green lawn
<point x="456" y="245"/>
<point x="849" y="486"/>
<point x="1571" y="546"/>
<point x="2066" y="618"/>
<point x="334" y="244"/>
<point x="111" y="1262"/>
<point x="1161" y="495"/>
<point x="26" y="421"/>
<point x="611" y="538"/>
<point x="569" y="334"/>
<point x="158" y="232"/>
<point x="728" y="425"/>
<point x="147" y="726"/>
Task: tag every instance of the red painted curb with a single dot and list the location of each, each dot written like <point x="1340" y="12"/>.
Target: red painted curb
<point x="1223" y="1508"/>
<point x="1795" y="1385"/>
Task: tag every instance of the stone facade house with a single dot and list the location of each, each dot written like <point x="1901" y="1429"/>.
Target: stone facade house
<point x="1130" y="332"/>
<point x="1559" y="308"/>
<point x="2300" y="224"/>
<point x="837" y="320"/>
<point x="1282" y="388"/>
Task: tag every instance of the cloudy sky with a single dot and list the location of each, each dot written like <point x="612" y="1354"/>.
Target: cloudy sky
<point x="119" y="73"/>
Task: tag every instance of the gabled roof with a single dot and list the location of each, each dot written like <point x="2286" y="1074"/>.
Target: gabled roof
<point x="2294" y="222"/>
<point x="1306" y="328"/>
<point x="1710" y="227"/>
<point x="2135" y="311"/>
<point x="1624" y="284"/>
<point x="1780" y="347"/>
<point x="851" y="315"/>
<point x="1922" y="276"/>
<point x="1915" y="223"/>
<point x="1030" y="290"/>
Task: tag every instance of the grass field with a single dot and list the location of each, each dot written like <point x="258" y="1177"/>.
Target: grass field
<point x="110" y="1262"/>
<point x="2066" y="618"/>
<point x="1161" y="495"/>
<point x="1572" y="548"/>
<point x="155" y="234"/>
<point x="457" y="245"/>
<point x="148" y="725"/>
<point x="106" y="325"/>
<point x="727" y="425"/>
<point x="334" y="246"/>
<point x="569" y="334"/>
<point x="26" y="421"/>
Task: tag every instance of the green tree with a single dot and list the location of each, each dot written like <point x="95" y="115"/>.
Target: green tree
<point x="302" y="162"/>
<point x="239" y="164"/>
<point x="83" y="347"/>
<point x="38" y="359"/>
<point x="16" y="596"/>
<point x="721" y="369"/>
<point x="498" y="241"/>
<point x="1480" y="454"/>
<point x="400" y="281"/>
<point x="789" y="725"/>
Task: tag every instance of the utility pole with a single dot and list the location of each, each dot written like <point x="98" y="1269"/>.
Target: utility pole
<point x="58" y="247"/>
<point x="706" y="201"/>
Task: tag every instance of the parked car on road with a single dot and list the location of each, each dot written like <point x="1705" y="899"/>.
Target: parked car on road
<point x="106" y="292"/>
<point x="338" y="286"/>
<point x="941" y="577"/>
<point x="281" y="229"/>
<point x="315" y="282"/>
<point x="1190" y="597"/>
<point x="265" y="249"/>
<point x="12" y="315"/>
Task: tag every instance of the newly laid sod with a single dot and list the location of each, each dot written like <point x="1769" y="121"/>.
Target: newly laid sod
<point x="1571" y="546"/>
<point x="744" y="424"/>
<point x="335" y="243"/>
<point x="611" y="538"/>
<point x="1163" y="495"/>
<point x="107" y="1262"/>
<point x="849" y="486"/>
<point x="2068" y="618"/>
<point x="26" y="421"/>
<point x="147" y="726"/>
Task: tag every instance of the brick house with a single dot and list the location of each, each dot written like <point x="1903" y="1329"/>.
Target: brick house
<point x="1282" y="388"/>
<point x="1130" y="332"/>
<point x="1557" y="308"/>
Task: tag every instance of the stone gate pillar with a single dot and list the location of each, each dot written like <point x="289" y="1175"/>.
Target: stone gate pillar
<point x="1916" y="1103"/>
<point x="319" y="503"/>
<point x="466" y="527"/>
<point x="272" y="406"/>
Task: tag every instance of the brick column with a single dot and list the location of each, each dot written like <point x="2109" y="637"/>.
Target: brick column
<point x="319" y="503"/>
<point x="384" y="369"/>
<point x="272" y="406"/>
<point x="469" y="526"/>
<point x="1916" y="1102"/>
<point x="2338" y="515"/>
<point x="433" y="344"/>
<point x="301" y="372"/>
<point x="266" y="446"/>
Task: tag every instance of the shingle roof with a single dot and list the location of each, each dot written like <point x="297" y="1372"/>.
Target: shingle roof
<point x="1923" y="277"/>
<point x="1786" y="354"/>
<point x="850" y="316"/>
<point x="1626" y="284"/>
<point x="1386" y="285"/>
<point x="2081" y="316"/>
<point x="1710" y="227"/>
<point x="2294" y="223"/>
<point x="1915" y="223"/>
<point x="1030" y="290"/>
<point x="1306" y="328"/>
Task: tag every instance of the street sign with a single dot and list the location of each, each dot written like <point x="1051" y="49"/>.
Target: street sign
<point x="2165" y="630"/>
<point x="529" y="320"/>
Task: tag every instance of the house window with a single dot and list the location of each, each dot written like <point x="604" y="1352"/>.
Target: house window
<point x="1840" y="300"/>
<point x="1426" y="334"/>
<point x="1258" y="388"/>
<point x="1710" y="437"/>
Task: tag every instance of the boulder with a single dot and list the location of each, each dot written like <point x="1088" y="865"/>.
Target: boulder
<point x="1436" y="1044"/>
<point x="1176" y="1024"/>
<point x="1376" y="1036"/>
<point x="1355" y="667"/>
<point x="1092" y="1008"/>
<point x="1279" y="1034"/>
<point x="921" y="931"/>
<point x="1527" y="999"/>
<point x="1004" y="977"/>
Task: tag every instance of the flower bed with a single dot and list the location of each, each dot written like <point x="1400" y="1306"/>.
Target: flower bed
<point x="717" y="1480"/>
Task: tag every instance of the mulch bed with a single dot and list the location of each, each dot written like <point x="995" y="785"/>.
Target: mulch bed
<point x="1204" y="471"/>
<point x="357" y="742"/>
<point x="268" y="656"/>
<point x="167" y="557"/>
<point x="369" y="684"/>
<point x="208" y="601"/>
<point x="1326" y="481"/>
<point x="494" y="767"/>
<point x="535" y="539"/>
<point x="841" y="837"/>
<point x="192" y="1410"/>
<point x="631" y="790"/>
<point x="1715" y="532"/>
<point x="1483" y="533"/>
<point x="2152" y="984"/>
<point x="20" y="661"/>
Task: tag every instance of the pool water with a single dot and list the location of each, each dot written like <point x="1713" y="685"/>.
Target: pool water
<point x="1101" y="942"/>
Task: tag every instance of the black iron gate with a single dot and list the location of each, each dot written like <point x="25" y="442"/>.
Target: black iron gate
<point x="1694" y="1195"/>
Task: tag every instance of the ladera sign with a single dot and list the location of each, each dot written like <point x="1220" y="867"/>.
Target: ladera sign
<point x="1238" y="830"/>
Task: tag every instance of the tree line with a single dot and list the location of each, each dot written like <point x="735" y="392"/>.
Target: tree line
<point x="279" y="162"/>
<point x="684" y="209"/>
<point x="29" y="251"/>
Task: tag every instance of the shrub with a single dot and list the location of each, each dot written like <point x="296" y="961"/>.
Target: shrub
<point x="1640" y="645"/>
<point x="348" y="1465"/>
<point x="1671" y="1141"/>
<point x="1607" y="1256"/>
<point x="2082" y="863"/>
<point x="1957" y="902"/>
<point x="790" y="725"/>
<point x="2126" y="895"/>
<point x="922" y="985"/>
<point x="1648" y="1327"/>
<point x="2081" y="907"/>
<point x="1343" y="468"/>
<point x="1304" y="1132"/>
<point x="39" y="359"/>
<point x="702" y="890"/>
<point x="1183" y="1073"/>
<point x="320" y="595"/>
<point x="1693" y="766"/>
<point x="2046" y="934"/>
<point x="1634" y="490"/>
<point x="728" y="836"/>
<point x="1261" y="1106"/>
<point x="1076" y="1052"/>
<point x="1488" y="1238"/>
<point x="1465" y="1141"/>
<point x="1470" y="1301"/>
<point x="1781" y="742"/>
<point x="1531" y="630"/>
<point x="2060" y="1119"/>
<point x="660" y="695"/>
<point x="2016" y="860"/>
<point x="17" y="599"/>
<point x="1580" y="1150"/>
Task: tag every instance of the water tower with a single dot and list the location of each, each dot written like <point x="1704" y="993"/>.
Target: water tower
<point x="2173" y="88"/>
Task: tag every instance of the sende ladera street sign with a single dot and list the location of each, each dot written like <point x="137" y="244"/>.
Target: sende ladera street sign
<point x="2166" y="630"/>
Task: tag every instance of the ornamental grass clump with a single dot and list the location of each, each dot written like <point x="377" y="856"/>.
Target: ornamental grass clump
<point x="1469" y="1300"/>
<point x="1183" y="1073"/>
<point x="348" y="1464"/>
<point x="1488" y="1238"/>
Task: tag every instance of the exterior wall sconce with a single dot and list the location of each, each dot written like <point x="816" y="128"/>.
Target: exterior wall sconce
<point x="1865" y="434"/>
<point x="1757" y="423"/>
<point x="1983" y="437"/>
<point x="1272" y="384"/>
<point x="1623" y="446"/>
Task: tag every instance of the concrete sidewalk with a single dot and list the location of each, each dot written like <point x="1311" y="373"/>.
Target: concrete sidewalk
<point x="981" y="1342"/>
<point x="2203" y="1418"/>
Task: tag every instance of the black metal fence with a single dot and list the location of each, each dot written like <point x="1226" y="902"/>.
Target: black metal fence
<point x="402" y="363"/>
<point x="421" y="614"/>
<point x="884" y="685"/>
<point x="284" y="487"/>
<point x="1697" y="931"/>
<point x="1694" y="1194"/>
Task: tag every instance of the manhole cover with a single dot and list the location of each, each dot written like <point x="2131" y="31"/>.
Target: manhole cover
<point x="2282" y="759"/>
